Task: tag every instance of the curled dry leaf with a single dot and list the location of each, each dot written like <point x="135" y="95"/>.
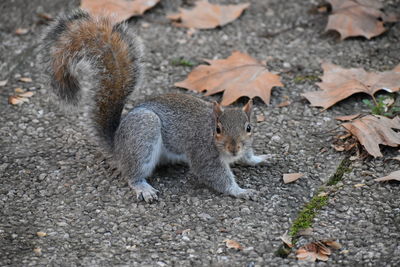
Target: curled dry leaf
<point x="372" y="131"/>
<point x="21" y="31"/>
<point x="238" y="75"/>
<point x="37" y="251"/>
<point x="315" y="251"/>
<point x="339" y="83"/>
<point x="20" y="98"/>
<point x="233" y="244"/>
<point x="207" y="16"/>
<point x="358" y="18"/>
<point x="260" y="117"/>
<point x="287" y="239"/>
<point x="117" y="10"/>
<point x="347" y="117"/>
<point x="392" y="176"/>
<point x="333" y="244"/>
<point x="25" y="79"/>
<point x="397" y="158"/>
<point x="291" y="177"/>
<point x="41" y="234"/>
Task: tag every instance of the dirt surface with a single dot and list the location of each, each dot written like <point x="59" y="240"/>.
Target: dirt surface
<point x="53" y="178"/>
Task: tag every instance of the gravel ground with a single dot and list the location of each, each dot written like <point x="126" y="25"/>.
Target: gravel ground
<point x="54" y="179"/>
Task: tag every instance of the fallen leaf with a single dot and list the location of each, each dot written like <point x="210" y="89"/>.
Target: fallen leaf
<point x="359" y="185"/>
<point x="41" y="234"/>
<point x="26" y="94"/>
<point x="3" y="83"/>
<point x="291" y="177"/>
<point x="347" y="117"/>
<point x="357" y="18"/>
<point x="323" y="194"/>
<point x="397" y="158"/>
<point x="338" y="148"/>
<point x="339" y="83"/>
<point x="38" y="251"/>
<point x="21" y="31"/>
<point x="117" y="10"/>
<point x="332" y="244"/>
<point x="20" y="98"/>
<point x="284" y="104"/>
<point x="233" y="244"/>
<point x="287" y="239"/>
<point x="238" y="75"/>
<point x="392" y="176"/>
<point x="314" y="251"/>
<point x="373" y="130"/>
<point x="260" y="117"/>
<point x="45" y="16"/>
<point x="25" y="79"/>
<point x="207" y="16"/>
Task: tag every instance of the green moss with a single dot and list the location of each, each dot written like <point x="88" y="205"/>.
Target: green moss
<point x="302" y="79"/>
<point x="182" y="62"/>
<point x="307" y="214"/>
<point x="343" y="168"/>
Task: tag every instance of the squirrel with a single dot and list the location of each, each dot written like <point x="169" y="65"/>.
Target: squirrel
<point x="162" y="129"/>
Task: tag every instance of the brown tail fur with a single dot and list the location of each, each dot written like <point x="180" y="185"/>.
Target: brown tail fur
<point x="113" y="55"/>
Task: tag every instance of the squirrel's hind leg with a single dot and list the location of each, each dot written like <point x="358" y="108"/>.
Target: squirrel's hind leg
<point x="137" y="148"/>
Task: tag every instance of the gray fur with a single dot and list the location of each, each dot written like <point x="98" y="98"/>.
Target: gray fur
<point x="167" y="128"/>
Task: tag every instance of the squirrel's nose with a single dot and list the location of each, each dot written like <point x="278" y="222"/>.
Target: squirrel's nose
<point x="234" y="149"/>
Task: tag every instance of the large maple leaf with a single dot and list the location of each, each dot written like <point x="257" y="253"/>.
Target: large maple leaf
<point x="372" y="131"/>
<point x="118" y="10"/>
<point x="238" y="75"/>
<point x="339" y="83"/>
<point x="358" y="18"/>
<point x="207" y="16"/>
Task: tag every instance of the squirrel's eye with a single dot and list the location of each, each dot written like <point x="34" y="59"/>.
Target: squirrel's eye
<point x="218" y="130"/>
<point x="248" y="128"/>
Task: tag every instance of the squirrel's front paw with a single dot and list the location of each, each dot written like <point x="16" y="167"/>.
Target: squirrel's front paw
<point x="246" y="194"/>
<point x="145" y="192"/>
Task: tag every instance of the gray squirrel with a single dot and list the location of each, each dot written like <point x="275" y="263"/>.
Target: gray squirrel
<point x="162" y="129"/>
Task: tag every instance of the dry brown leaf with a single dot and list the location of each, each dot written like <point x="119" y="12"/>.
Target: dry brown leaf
<point x="45" y="16"/>
<point x="371" y="131"/>
<point x="347" y="117"/>
<point x="25" y="79"/>
<point x="359" y="185"/>
<point x="284" y="104"/>
<point x="392" y="176"/>
<point x="397" y="158"/>
<point x="357" y="18"/>
<point x="233" y="244"/>
<point x="3" y="83"/>
<point x="238" y="75"/>
<point x="332" y="244"/>
<point x="287" y="239"/>
<point x="37" y="251"/>
<point x="305" y="232"/>
<point x="339" y="83"/>
<point x="41" y="234"/>
<point x="291" y="177"/>
<point x="117" y="10"/>
<point x="314" y="251"/>
<point x="21" y="31"/>
<point x="20" y="98"/>
<point x="207" y="16"/>
<point x="260" y="117"/>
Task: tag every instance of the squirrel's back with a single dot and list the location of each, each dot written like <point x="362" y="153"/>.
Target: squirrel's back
<point x="80" y="45"/>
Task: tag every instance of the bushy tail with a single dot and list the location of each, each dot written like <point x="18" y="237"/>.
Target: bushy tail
<point x="79" y="45"/>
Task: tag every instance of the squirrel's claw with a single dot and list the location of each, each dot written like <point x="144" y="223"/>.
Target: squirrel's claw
<point x="145" y="192"/>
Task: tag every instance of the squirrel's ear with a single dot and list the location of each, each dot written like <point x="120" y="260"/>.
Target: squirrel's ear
<point x="217" y="109"/>
<point x="248" y="108"/>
